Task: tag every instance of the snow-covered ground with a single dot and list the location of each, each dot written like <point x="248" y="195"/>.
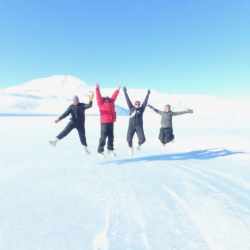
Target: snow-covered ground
<point x="192" y="194"/>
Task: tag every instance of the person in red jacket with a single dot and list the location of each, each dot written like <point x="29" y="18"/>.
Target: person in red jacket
<point x="108" y="117"/>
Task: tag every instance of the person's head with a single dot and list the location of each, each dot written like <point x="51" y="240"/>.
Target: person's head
<point x="75" y="99"/>
<point x="167" y="108"/>
<point x="137" y="104"/>
<point x="106" y="99"/>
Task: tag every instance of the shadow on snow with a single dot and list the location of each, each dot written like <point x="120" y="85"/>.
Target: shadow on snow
<point x="193" y="155"/>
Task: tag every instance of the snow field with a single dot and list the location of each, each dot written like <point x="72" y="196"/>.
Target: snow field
<point x="192" y="194"/>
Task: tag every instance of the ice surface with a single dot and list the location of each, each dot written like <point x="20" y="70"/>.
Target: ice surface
<point x="192" y="194"/>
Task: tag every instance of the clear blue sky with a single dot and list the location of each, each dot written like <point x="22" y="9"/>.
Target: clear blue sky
<point x="181" y="47"/>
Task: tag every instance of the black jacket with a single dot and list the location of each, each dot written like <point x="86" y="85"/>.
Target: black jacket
<point x="77" y="112"/>
<point x="136" y="113"/>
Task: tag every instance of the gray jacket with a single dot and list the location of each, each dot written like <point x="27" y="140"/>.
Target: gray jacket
<point x="166" y="117"/>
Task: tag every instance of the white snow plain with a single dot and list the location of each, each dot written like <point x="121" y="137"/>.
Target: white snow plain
<point x="192" y="194"/>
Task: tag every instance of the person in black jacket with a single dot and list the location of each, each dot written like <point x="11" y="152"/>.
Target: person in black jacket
<point x="135" y="121"/>
<point x="77" y="121"/>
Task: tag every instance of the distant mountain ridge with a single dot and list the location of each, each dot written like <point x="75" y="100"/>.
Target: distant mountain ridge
<point x="59" y="85"/>
<point x="52" y="95"/>
<point x="49" y="95"/>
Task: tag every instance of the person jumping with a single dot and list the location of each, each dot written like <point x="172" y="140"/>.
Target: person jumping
<point x="108" y="117"/>
<point x="135" y="121"/>
<point x="77" y="121"/>
<point x="166" y="131"/>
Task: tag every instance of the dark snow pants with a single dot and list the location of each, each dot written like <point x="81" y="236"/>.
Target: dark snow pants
<point x="140" y="134"/>
<point x="107" y="130"/>
<point x="80" y="128"/>
<point x="166" y="135"/>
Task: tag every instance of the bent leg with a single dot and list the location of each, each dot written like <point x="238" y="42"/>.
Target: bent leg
<point x="162" y="136"/>
<point x="169" y="136"/>
<point x="67" y="130"/>
<point x="140" y="135"/>
<point x="81" y="131"/>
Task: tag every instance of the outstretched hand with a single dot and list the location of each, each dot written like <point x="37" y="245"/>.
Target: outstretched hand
<point x="91" y="96"/>
<point x="190" y="111"/>
<point x="57" y="120"/>
<point x="119" y="87"/>
<point x="149" y="91"/>
<point x="150" y="106"/>
<point x="124" y="89"/>
<point x="97" y="85"/>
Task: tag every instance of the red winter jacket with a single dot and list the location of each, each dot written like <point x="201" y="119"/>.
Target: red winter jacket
<point x="107" y="109"/>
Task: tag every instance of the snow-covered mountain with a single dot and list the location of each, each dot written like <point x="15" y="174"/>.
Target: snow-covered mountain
<point x="40" y="96"/>
<point x="53" y="95"/>
<point x="54" y="86"/>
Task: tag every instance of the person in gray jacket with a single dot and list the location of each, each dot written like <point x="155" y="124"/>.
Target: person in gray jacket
<point x="166" y="131"/>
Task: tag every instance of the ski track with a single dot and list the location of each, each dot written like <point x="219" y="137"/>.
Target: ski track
<point x="101" y="241"/>
<point x="171" y="221"/>
<point x="123" y="219"/>
<point x="152" y="222"/>
<point x="231" y="201"/>
<point x="220" y="184"/>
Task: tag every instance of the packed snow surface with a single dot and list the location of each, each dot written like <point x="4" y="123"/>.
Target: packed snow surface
<point x="192" y="194"/>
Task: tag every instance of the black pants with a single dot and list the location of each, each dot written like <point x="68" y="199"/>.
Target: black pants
<point x="107" y="130"/>
<point x="166" y="135"/>
<point x="80" y="128"/>
<point x="140" y="134"/>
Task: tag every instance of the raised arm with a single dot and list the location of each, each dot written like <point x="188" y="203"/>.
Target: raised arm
<point x="98" y="94"/>
<point x="89" y="105"/>
<point x="114" y="96"/>
<point x="130" y="105"/>
<point x="144" y="104"/>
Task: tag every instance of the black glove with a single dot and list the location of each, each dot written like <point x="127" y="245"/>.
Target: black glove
<point x="124" y="89"/>
<point x="149" y="91"/>
<point x="150" y="106"/>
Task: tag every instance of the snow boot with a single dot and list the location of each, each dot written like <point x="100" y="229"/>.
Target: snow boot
<point x="53" y="143"/>
<point x="111" y="152"/>
<point x="101" y="155"/>
<point x="130" y="151"/>
<point x="138" y="147"/>
<point x="85" y="150"/>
